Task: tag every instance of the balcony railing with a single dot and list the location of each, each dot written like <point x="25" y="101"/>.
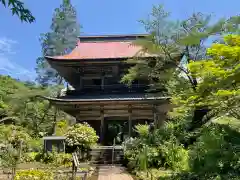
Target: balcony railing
<point x="109" y="89"/>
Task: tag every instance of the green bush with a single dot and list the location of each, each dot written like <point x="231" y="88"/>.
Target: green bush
<point x="62" y="159"/>
<point x="34" y="174"/>
<point x="163" y="149"/>
<point x="15" y="135"/>
<point x="81" y="135"/>
<point x="35" y="145"/>
<point x="216" y="151"/>
<point x="30" y="157"/>
<point x="175" y="156"/>
<point x="53" y="158"/>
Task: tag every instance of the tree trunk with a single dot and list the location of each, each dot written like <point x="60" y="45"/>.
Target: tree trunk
<point x="56" y="110"/>
<point x="201" y="116"/>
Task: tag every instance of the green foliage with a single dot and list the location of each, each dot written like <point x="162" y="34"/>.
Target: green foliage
<point x="14" y="135"/>
<point x="218" y="78"/>
<point x="175" y="155"/>
<point x="61" y="127"/>
<point x="216" y="151"/>
<point x="20" y="104"/>
<point x="142" y="130"/>
<point x="168" y="72"/>
<point x="17" y="8"/>
<point x="54" y="159"/>
<point x="35" y="145"/>
<point x="9" y="157"/>
<point x="81" y="135"/>
<point x="63" y="159"/>
<point x="157" y="149"/>
<point x="34" y="174"/>
<point x="30" y="157"/>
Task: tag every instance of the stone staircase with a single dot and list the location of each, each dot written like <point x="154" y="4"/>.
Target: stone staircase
<point x="106" y="155"/>
<point x="108" y="164"/>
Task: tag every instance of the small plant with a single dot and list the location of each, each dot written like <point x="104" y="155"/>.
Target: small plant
<point x="142" y="130"/>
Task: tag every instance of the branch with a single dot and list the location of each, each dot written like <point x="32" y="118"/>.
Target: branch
<point x="183" y="70"/>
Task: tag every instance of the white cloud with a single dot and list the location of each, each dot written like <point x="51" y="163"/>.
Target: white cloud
<point x="8" y="66"/>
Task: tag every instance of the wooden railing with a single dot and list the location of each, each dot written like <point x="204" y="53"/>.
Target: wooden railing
<point x="108" y="89"/>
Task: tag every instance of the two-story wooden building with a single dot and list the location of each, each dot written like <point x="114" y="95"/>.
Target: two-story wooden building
<point x="94" y="69"/>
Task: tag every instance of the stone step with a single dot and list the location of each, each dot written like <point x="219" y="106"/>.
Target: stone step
<point x="103" y="155"/>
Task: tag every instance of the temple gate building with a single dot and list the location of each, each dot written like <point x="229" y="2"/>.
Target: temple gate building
<point x="94" y="70"/>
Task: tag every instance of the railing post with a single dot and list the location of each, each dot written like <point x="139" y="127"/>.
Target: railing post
<point x="113" y="150"/>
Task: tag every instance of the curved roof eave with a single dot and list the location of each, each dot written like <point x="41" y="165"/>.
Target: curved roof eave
<point x="104" y="100"/>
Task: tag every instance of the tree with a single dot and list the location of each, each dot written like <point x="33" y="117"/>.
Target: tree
<point x="170" y="41"/>
<point x="17" y="7"/>
<point x="21" y="105"/>
<point x="59" y="41"/>
<point x="218" y="78"/>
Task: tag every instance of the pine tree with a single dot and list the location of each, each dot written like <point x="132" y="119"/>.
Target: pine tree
<point x="59" y="41"/>
<point x="171" y="41"/>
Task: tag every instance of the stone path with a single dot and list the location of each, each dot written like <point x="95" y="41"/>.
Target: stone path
<point x="108" y="172"/>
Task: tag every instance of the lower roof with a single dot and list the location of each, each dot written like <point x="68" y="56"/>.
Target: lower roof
<point x="106" y="98"/>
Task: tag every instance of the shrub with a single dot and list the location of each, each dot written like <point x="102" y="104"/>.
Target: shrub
<point x="30" y="157"/>
<point x="81" y="135"/>
<point x="216" y="151"/>
<point x="62" y="159"/>
<point x="14" y="135"/>
<point x="34" y="174"/>
<point x="174" y="155"/>
<point x="35" y="145"/>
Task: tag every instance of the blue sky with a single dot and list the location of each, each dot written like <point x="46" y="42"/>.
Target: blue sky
<point x="19" y="44"/>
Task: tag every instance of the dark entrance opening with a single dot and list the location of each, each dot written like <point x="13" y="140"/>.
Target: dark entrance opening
<point x="97" y="82"/>
<point x="116" y="130"/>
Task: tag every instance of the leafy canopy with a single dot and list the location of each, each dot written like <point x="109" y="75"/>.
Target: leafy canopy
<point x="81" y="135"/>
<point x="59" y="41"/>
<point x="17" y="7"/>
<point x="218" y="78"/>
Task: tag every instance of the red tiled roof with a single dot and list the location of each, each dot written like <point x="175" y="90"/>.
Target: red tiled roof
<point x="101" y="50"/>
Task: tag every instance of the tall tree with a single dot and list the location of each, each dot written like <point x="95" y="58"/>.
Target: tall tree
<point x="169" y="40"/>
<point x="17" y="7"/>
<point x="59" y="41"/>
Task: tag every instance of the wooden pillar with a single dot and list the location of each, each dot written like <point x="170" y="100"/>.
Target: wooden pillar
<point x="155" y="116"/>
<point x="64" y="146"/>
<point x="129" y="120"/>
<point x="102" y="125"/>
<point x="81" y="82"/>
<point x="102" y="82"/>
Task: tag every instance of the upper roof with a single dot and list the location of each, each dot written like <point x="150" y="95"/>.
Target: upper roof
<point x="103" y="47"/>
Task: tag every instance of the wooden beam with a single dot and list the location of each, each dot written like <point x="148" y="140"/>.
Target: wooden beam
<point x="130" y="121"/>
<point x="102" y="125"/>
<point x="111" y="102"/>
